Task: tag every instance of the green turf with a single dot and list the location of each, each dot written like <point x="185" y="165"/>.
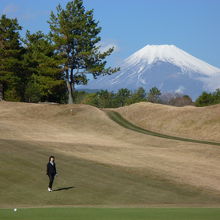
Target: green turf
<point x="24" y="181"/>
<point x="115" y="116"/>
<point x="111" y="214"/>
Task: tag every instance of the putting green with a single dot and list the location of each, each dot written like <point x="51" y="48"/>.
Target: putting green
<point x="111" y="214"/>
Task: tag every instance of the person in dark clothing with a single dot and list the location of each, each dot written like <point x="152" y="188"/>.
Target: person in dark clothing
<point x="51" y="172"/>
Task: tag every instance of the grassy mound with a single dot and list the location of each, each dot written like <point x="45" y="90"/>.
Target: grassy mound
<point x="99" y="162"/>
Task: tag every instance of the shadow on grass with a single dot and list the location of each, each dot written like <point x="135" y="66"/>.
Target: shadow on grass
<point x="64" y="188"/>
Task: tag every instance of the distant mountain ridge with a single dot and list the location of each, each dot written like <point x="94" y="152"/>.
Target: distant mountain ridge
<point x="164" y="66"/>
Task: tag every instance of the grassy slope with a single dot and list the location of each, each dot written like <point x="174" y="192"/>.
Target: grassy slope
<point x="111" y="214"/>
<point x="125" y="123"/>
<point x="105" y="163"/>
<point x="191" y="122"/>
<point x="24" y="183"/>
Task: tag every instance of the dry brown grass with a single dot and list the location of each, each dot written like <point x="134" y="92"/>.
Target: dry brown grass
<point x="193" y="122"/>
<point x="87" y="133"/>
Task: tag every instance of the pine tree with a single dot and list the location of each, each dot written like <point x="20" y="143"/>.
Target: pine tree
<point x="138" y="96"/>
<point x="76" y="34"/>
<point x="45" y="81"/>
<point x="11" y="53"/>
<point x="122" y="97"/>
<point x="154" y="95"/>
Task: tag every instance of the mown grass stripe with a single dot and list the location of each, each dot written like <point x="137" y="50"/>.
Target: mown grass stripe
<point x="112" y="214"/>
<point x="115" y="116"/>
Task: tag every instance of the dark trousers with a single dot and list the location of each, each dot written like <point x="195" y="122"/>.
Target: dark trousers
<point x="51" y="179"/>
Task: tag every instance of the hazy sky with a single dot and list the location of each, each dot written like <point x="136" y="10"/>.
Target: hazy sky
<point x="192" y="25"/>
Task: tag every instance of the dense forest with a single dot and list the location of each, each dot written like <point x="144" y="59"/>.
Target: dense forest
<point x="46" y="67"/>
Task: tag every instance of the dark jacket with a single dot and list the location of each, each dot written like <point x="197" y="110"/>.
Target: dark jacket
<point x="51" y="169"/>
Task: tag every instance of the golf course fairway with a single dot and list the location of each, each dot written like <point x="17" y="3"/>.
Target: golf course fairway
<point x="109" y="164"/>
<point x="111" y="214"/>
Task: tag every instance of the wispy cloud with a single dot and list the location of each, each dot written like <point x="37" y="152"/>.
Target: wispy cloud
<point x="10" y="9"/>
<point x="107" y="45"/>
<point x="211" y="83"/>
<point x="180" y="89"/>
<point x="22" y="13"/>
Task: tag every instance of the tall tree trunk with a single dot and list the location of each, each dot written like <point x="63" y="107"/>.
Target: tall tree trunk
<point x="70" y="94"/>
<point x="69" y="88"/>
<point x="1" y="92"/>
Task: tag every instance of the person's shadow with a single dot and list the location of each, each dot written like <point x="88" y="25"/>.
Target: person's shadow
<point x="64" y="188"/>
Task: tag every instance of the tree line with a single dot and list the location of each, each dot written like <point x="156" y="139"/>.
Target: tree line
<point x="124" y="96"/>
<point x="46" y="67"/>
<point x="208" y="98"/>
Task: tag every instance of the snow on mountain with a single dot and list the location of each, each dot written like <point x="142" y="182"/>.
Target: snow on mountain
<point x="164" y="66"/>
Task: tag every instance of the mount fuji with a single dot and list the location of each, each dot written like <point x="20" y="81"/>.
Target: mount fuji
<point x="165" y="66"/>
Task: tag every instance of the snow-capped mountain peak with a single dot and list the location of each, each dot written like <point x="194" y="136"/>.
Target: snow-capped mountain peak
<point x="164" y="66"/>
<point x="172" y="54"/>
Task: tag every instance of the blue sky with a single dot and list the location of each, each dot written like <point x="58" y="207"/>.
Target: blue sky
<point x="192" y="25"/>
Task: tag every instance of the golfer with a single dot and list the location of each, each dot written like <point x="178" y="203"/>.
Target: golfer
<point x="51" y="172"/>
